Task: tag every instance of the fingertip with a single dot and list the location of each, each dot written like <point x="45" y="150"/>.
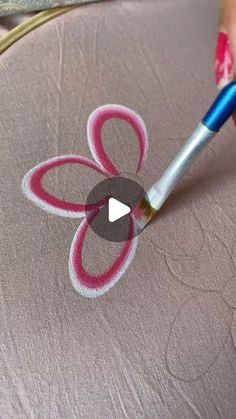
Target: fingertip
<point x="224" y="66"/>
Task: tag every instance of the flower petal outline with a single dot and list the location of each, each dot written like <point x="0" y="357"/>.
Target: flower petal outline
<point x="33" y="189"/>
<point x="94" y="130"/>
<point x="92" y="286"/>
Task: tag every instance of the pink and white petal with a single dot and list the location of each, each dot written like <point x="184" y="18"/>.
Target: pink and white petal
<point x="34" y="190"/>
<point x="89" y="285"/>
<point x="198" y="335"/>
<point x="94" y="131"/>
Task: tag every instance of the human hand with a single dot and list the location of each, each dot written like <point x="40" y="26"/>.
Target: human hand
<point x="226" y="44"/>
<point x="225" y="64"/>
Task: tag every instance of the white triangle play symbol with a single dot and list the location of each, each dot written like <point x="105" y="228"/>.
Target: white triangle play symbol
<point x="116" y="210"/>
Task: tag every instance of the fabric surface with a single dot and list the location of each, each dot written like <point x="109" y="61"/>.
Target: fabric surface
<point x="162" y="342"/>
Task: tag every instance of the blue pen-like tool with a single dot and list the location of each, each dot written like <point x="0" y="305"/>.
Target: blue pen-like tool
<point x="217" y="115"/>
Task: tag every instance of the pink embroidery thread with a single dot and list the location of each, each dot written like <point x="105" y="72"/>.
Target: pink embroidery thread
<point x="85" y="284"/>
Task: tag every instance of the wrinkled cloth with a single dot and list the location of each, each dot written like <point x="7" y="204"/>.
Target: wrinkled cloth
<point x="162" y="342"/>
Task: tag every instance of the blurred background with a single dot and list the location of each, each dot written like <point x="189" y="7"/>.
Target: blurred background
<point x="9" y="22"/>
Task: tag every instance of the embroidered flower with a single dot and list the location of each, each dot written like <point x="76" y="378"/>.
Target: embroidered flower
<point x="86" y="284"/>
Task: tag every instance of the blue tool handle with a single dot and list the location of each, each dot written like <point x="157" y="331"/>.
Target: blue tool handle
<point x="221" y="109"/>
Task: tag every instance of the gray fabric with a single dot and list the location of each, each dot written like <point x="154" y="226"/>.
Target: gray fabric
<point x="161" y="343"/>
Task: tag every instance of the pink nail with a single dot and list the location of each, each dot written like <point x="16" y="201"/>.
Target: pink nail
<point x="223" y="61"/>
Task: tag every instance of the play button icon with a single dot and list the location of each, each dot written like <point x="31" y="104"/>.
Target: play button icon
<point x="117" y="195"/>
<point x="116" y="210"/>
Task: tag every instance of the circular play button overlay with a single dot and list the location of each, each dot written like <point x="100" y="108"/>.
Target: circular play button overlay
<point x="118" y="196"/>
